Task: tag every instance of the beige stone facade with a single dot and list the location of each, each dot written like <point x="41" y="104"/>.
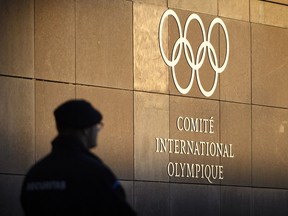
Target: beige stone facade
<point x="108" y="52"/>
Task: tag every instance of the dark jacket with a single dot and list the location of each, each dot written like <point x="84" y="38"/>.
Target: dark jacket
<point x="72" y="181"/>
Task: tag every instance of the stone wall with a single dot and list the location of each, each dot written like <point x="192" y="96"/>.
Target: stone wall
<point x="108" y="52"/>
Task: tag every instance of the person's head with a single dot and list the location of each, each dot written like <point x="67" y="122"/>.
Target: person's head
<point x="78" y="118"/>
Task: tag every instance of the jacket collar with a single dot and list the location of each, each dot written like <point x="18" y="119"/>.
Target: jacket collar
<point x="68" y="143"/>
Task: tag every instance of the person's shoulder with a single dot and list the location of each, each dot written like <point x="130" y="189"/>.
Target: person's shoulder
<point x="39" y="165"/>
<point x="93" y="163"/>
<point x="91" y="160"/>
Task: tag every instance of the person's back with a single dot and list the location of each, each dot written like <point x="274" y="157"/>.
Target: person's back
<point x="71" y="180"/>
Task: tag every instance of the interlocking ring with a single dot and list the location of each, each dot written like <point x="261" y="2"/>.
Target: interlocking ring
<point x="195" y="64"/>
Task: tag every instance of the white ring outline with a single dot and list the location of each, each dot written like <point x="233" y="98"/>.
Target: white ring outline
<point x="195" y="65"/>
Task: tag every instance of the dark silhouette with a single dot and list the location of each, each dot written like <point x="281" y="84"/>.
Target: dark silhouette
<point x="71" y="180"/>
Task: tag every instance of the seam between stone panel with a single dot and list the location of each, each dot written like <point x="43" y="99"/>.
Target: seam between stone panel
<point x="75" y="50"/>
<point x="274" y="2"/>
<point x="133" y="101"/>
<point x="251" y="121"/>
<point x="35" y="144"/>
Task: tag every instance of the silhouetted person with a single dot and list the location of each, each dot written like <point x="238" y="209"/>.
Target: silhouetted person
<point x="71" y="180"/>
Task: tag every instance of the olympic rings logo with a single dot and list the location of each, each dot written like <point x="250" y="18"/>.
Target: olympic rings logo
<point x="195" y="64"/>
